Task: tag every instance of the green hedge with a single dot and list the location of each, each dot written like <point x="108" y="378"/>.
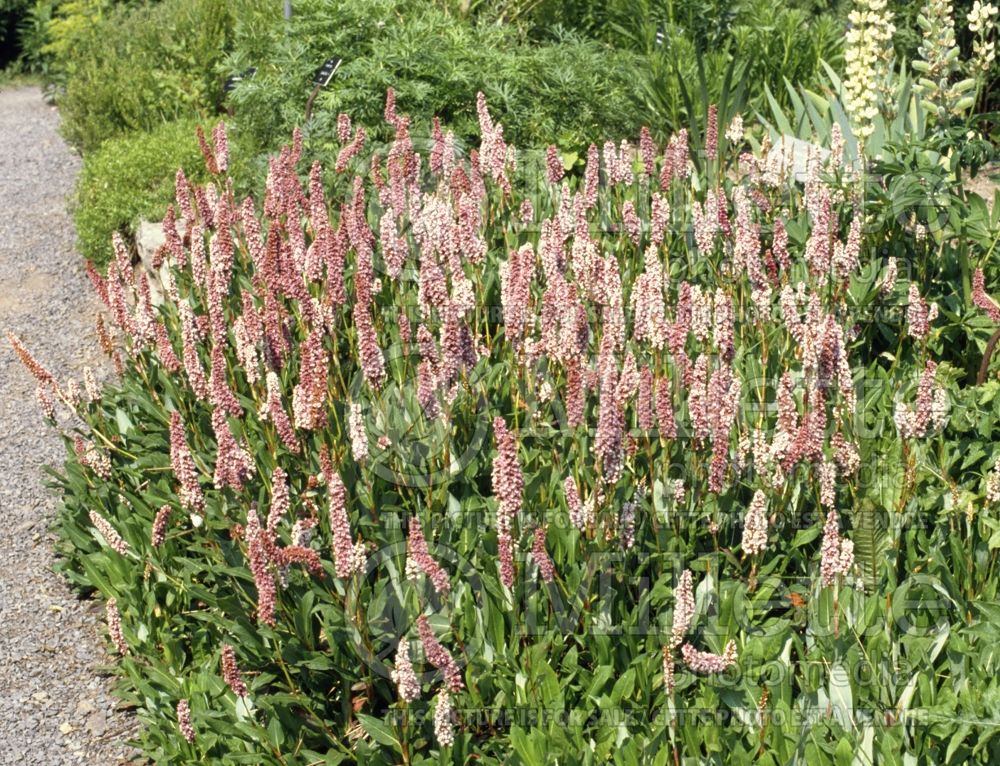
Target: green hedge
<point x="568" y="90"/>
<point x="136" y="68"/>
<point x="128" y="179"/>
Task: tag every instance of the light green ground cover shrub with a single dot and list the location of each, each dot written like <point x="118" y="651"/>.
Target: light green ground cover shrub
<point x="128" y="179"/>
<point x="136" y="68"/>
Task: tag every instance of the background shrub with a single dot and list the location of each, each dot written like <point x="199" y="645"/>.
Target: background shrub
<point x="131" y="178"/>
<point x="566" y="89"/>
<point x="134" y="69"/>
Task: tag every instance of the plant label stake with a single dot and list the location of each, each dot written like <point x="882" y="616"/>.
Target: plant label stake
<point x="321" y="79"/>
<point x="233" y="81"/>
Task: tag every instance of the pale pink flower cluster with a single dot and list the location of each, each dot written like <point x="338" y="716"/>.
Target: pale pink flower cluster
<point x="438" y="656"/>
<point x="545" y="566"/>
<point x="115" y="626"/>
<point x="648" y="309"/>
<point x="982" y="299"/>
<point x="755" y="525"/>
<point x="508" y="486"/>
<point x="274" y="411"/>
<point x="494" y="155"/>
<point x="184" y="720"/>
<point x="351" y="150"/>
<point x="706" y="662"/>
<point x="231" y="672"/>
<point x="109" y="533"/>
<point x="889" y="278"/>
<point x="712" y="133"/>
<point x="45" y="403"/>
<point x="93" y="458"/>
<point x="683" y="608"/>
<point x="930" y="410"/>
<point x="591" y="177"/>
<point x="233" y="464"/>
<point x="827" y="484"/>
<point x="553" y="165"/>
<point x="356" y="429"/>
<point x="678" y="491"/>
<point x="159" y="531"/>
<point x="280" y="499"/>
<point x="423" y="561"/>
<point x="343" y="128"/>
<point x="993" y="485"/>
<point x="259" y="559"/>
<point x="847" y="255"/>
<point x="192" y="362"/>
<point x="676" y="162"/>
<point x="668" y="670"/>
<point x="444" y="726"/>
<point x="631" y="222"/>
<point x="626" y="524"/>
<point x="42" y="375"/>
<point x="348" y="557"/>
<point x="184" y="469"/>
<point x="617" y="163"/>
<point x="734" y="133"/>
<point x="705" y="220"/>
<point x="919" y="315"/>
<point x="220" y="395"/>
<point x="836" y="552"/>
<point x="403" y="675"/>
<point x="577" y="515"/>
<point x="309" y="394"/>
<point x="516" y="275"/>
<point x="846" y="455"/>
<point x="779" y="244"/>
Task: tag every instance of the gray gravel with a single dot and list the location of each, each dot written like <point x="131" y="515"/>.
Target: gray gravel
<point x="56" y="705"/>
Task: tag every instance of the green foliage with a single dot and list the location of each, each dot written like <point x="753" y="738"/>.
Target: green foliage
<point x="134" y="69"/>
<point x="71" y="22"/>
<point x="568" y="90"/>
<point x="761" y="43"/>
<point x="32" y="35"/>
<point x="128" y="179"/>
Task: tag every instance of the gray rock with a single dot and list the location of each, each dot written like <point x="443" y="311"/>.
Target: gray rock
<point x="792" y="155"/>
<point x="149" y="238"/>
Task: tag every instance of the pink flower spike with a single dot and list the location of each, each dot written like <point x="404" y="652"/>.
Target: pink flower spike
<point x="444" y="726"/>
<point x="438" y="656"/>
<point x="184" y="720"/>
<point x="231" y="672"/>
<point x="508" y="486"/>
<point x="755" y="525"/>
<point x="159" y="531"/>
<point x="185" y="472"/>
<point x="348" y="558"/>
<point x="706" y="662"/>
<point x="109" y="533"/>
<point x="683" y="608"/>
<point x="403" y="675"/>
<point x="982" y="299"/>
<point x="545" y="566"/>
<point x="258" y="544"/>
<point x="115" y="626"/>
<point x="424" y="561"/>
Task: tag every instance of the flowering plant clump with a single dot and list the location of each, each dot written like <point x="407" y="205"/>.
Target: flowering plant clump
<point x="432" y="458"/>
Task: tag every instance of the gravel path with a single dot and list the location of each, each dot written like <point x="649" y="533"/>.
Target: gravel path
<point x="56" y="707"/>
